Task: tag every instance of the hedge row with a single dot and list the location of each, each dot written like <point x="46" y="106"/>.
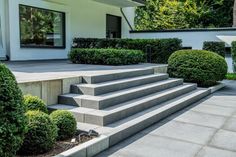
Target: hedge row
<point x="161" y="49"/>
<point x="233" y="52"/>
<point x="106" y="56"/>
<point x="215" y="46"/>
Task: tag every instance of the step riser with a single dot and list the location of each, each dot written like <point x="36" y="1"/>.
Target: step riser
<point x="69" y="101"/>
<point x="115" y="87"/>
<point x="129" y="96"/>
<point x="123" y="134"/>
<point x="116" y="76"/>
<point x="102" y="121"/>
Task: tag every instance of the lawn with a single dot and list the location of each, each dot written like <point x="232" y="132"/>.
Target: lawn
<point x="231" y="76"/>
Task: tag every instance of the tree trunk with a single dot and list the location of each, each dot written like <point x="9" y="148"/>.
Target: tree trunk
<point x="234" y="14"/>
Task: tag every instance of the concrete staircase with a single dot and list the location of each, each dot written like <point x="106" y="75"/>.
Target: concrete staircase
<point x="121" y="104"/>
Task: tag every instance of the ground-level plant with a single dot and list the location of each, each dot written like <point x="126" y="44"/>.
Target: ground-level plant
<point x="198" y="66"/>
<point x="12" y="119"/>
<point x="65" y="122"/>
<point x="34" y="103"/>
<point x="41" y="135"/>
<point x="106" y="56"/>
<point x="231" y="76"/>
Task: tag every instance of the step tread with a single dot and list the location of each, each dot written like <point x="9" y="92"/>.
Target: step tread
<point x="129" y="90"/>
<point x="140" y="116"/>
<point x="115" y="75"/>
<point x="120" y="92"/>
<point x="132" y="103"/>
<point x="103" y="84"/>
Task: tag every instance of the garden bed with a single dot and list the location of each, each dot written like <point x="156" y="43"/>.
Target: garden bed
<point x="62" y="146"/>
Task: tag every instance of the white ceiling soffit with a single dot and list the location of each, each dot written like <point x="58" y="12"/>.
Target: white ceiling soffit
<point x="122" y="3"/>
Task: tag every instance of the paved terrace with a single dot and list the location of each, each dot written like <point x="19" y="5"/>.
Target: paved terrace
<point x="205" y="129"/>
<point x="49" y="70"/>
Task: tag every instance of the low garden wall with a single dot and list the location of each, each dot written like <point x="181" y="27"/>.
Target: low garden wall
<point x="190" y="37"/>
<point x="49" y="90"/>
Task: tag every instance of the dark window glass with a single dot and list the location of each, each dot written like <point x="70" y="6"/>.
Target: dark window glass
<point x="113" y="26"/>
<point x="41" y="28"/>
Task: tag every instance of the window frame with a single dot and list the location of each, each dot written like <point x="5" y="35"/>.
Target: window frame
<point x="45" y="46"/>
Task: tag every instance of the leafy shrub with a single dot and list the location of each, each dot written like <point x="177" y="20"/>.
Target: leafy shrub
<point x="12" y="119"/>
<point x="233" y="52"/>
<point x="215" y="46"/>
<point x="65" y="122"/>
<point x="161" y="49"/>
<point x="106" y="56"/>
<point x="197" y="66"/>
<point x="41" y="135"/>
<point x="35" y="103"/>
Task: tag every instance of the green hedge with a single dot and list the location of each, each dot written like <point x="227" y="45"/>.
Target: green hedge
<point x="215" y="46"/>
<point x="106" y="56"/>
<point x="233" y="52"/>
<point x="13" y="122"/>
<point x="198" y="66"/>
<point x="161" y="49"/>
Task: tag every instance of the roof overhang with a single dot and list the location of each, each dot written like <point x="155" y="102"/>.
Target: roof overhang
<point x="123" y="3"/>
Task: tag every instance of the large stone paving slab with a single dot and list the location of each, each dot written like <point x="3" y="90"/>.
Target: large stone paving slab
<point x="184" y="131"/>
<point x="215" y="110"/>
<point x="224" y="140"/>
<point x="230" y="124"/>
<point x="199" y="118"/>
<point x="214" y="152"/>
<point x="152" y="146"/>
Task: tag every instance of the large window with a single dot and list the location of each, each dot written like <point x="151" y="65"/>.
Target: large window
<point x="41" y="28"/>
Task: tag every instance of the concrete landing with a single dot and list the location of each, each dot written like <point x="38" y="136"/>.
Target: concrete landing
<point x="30" y="71"/>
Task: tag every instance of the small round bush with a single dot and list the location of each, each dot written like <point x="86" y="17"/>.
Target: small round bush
<point x="41" y="135"/>
<point x="65" y="122"/>
<point x="35" y="103"/>
<point x="13" y="121"/>
<point x="198" y="66"/>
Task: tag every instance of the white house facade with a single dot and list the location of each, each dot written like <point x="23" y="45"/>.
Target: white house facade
<point x="44" y="29"/>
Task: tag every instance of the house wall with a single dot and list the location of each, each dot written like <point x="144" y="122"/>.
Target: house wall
<point x="3" y="46"/>
<point x="84" y="18"/>
<point x="190" y="38"/>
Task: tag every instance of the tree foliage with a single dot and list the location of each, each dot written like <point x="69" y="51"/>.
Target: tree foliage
<point x="178" y="14"/>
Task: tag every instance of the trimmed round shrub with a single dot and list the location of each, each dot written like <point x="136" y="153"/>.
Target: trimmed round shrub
<point x="35" y="103"/>
<point x="197" y="66"/>
<point x="41" y="135"/>
<point x="12" y="114"/>
<point x="65" y="122"/>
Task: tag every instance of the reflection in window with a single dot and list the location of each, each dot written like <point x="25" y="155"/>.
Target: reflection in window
<point x="41" y="28"/>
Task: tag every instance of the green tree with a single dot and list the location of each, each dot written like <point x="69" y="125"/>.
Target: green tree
<point x="177" y="14"/>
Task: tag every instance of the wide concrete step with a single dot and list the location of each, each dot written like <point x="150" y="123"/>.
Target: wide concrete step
<point x="92" y="79"/>
<point x="114" y="98"/>
<point x="124" y="110"/>
<point x="122" y="129"/>
<point x="111" y="86"/>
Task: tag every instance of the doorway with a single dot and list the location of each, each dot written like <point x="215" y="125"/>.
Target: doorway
<point x="113" y="26"/>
